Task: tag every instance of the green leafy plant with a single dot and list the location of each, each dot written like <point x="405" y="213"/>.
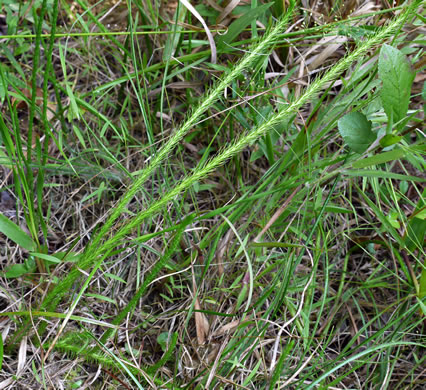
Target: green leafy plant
<point x="397" y="78"/>
<point x="356" y="131"/>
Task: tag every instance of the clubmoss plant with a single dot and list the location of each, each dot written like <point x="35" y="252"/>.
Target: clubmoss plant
<point x="78" y="345"/>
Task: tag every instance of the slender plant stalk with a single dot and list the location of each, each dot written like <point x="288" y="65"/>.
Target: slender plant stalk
<point x="36" y="60"/>
<point x="96" y="249"/>
<point x="35" y="216"/>
<point x="47" y="133"/>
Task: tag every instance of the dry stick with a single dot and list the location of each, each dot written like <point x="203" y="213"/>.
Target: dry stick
<point x="277" y="213"/>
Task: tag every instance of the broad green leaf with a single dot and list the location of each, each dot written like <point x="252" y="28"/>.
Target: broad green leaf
<point x="1" y="351"/>
<point x="416" y="228"/>
<point x="393" y="219"/>
<point x="4" y="158"/>
<point x="415" y="234"/>
<point x="421" y="304"/>
<point x="381" y="158"/>
<point x="382" y="175"/>
<point x="162" y="340"/>
<point x="115" y="277"/>
<point x="421" y="214"/>
<point x="49" y="258"/>
<point x="422" y="284"/>
<point x="240" y="24"/>
<point x="279" y="8"/>
<point x="16" y="234"/>
<point x="355" y="129"/>
<point x="73" y="111"/>
<point x="331" y="208"/>
<point x="17" y="270"/>
<point x="102" y="298"/>
<point x="397" y="77"/>
<point x="403" y="186"/>
<point x="57" y="257"/>
<point x="389" y="140"/>
<point x="173" y="39"/>
<point x="80" y="137"/>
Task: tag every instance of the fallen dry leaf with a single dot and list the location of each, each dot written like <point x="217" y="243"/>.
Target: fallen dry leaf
<point x="225" y="328"/>
<point x="201" y="323"/>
